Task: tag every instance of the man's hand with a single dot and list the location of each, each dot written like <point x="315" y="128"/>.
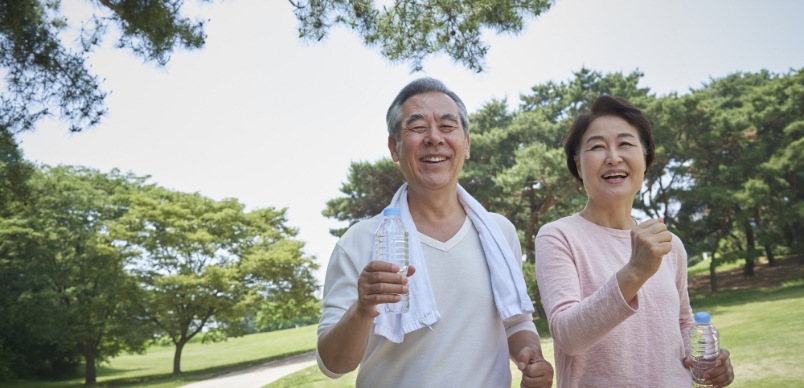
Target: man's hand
<point x="722" y="374"/>
<point x="536" y="371"/>
<point x="380" y="283"/>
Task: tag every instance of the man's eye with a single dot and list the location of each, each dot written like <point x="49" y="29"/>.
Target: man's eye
<point x="448" y="128"/>
<point x="418" y="129"/>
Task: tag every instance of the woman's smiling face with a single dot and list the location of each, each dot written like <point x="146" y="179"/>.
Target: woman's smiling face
<point x="611" y="160"/>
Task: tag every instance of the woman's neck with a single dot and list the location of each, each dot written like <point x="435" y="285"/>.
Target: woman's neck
<point x="609" y="215"/>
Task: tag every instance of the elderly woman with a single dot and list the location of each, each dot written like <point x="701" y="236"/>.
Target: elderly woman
<point x="615" y="290"/>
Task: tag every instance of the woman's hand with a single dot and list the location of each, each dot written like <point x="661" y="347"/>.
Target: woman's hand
<point x="650" y="242"/>
<point x="722" y="374"/>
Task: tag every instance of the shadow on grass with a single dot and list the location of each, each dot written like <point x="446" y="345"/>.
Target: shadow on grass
<point x="788" y="290"/>
<point x="108" y="371"/>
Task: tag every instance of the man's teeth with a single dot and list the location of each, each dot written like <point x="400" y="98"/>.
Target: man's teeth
<point x="434" y="158"/>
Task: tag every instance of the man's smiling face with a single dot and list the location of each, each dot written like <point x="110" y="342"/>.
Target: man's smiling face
<point x="432" y="145"/>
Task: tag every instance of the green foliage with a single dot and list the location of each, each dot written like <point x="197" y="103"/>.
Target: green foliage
<point x="727" y="162"/>
<point x="369" y="189"/>
<point x="413" y="29"/>
<point x="41" y="73"/>
<point x="96" y="264"/>
<point x="206" y="264"/>
<point x="742" y="193"/>
<point x="66" y="290"/>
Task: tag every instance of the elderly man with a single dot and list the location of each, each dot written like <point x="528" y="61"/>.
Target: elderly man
<point x="469" y="309"/>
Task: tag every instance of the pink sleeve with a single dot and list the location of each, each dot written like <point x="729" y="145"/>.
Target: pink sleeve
<point x="685" y="317"/>
<point x="575" y="323"/>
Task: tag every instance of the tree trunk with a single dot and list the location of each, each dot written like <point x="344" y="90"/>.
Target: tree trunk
<point x="750" y="250"/>
<point x="530" y="247"/>
<point x="769" y="255"/>
<point x="90" y="374"/>
<point x="537" y="304"/>
<point x="177" y="356"/>
<point x="712" y="274"/>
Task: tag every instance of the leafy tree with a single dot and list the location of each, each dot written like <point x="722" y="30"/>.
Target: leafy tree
<point x="369" y="189"/>
<point x="410" y="30"/>
<point x="41" y="73"/>
<point x="205" y="264"/>
<point x="66" y="283"/>
<point x="746" y="117"/>
<point x="494" y="143"/>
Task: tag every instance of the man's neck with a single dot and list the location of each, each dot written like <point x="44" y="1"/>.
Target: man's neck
<point x="438" y="215"/>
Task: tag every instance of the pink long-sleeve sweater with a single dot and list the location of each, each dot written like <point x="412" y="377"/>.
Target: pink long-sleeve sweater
<point x="600" y="340"/>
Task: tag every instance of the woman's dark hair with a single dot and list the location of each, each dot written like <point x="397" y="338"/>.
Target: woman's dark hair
<point x="608" y="106"/>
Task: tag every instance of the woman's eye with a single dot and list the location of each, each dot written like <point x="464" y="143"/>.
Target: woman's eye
<point x="626" y="144"/>
<point x="597" y="147"/>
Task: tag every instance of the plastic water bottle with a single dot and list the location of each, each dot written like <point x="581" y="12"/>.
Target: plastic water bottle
<point x="704" y="348"/>
<point x="391" y="244"/>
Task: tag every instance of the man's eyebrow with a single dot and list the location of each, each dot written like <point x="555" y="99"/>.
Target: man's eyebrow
<point x="450" y="116"/>
<point x="598" y="137"/>
<point x="412" y="118"/>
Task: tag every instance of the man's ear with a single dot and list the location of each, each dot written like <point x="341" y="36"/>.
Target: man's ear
<point x="392" y="148"/>
<point x="468" y="143"/>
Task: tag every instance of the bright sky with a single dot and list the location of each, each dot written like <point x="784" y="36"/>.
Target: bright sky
<point x="260" y="116"/>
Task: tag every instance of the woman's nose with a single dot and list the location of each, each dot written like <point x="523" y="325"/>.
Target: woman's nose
<point x="613" y="157"/>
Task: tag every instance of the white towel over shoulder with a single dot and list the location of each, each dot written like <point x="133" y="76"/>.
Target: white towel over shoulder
<point x="508" y="284"/>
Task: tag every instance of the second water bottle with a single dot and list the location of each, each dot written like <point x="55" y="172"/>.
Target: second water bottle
<point x="704" y="348"/>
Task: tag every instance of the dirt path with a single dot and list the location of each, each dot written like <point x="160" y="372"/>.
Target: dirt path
<point x="260" y="375"/>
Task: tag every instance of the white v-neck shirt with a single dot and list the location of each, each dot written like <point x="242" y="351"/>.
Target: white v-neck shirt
<point x="467" y="347"/>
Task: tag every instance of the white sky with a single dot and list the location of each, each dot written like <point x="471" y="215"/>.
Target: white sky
<point x="260" y="116"/>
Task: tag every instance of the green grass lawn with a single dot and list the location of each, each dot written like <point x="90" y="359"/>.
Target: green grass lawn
<point x="200" y="361"/>
<point x="313" y="378"/>
<point x="763" y="330"/>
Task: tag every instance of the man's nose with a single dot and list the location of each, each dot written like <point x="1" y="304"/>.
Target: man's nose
<point x="433" y="136"/>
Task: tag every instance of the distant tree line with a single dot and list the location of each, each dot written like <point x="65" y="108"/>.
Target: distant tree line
<point x="94" y="264"/>
<point x="729" y="159"/>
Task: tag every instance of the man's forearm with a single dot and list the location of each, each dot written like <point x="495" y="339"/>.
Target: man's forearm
<point x="342" y="345"/>
<point x="521" y="340"/>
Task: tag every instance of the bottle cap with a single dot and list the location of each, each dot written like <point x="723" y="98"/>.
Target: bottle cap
<point x="391" y="212"/>
<point x="702" y="317"/>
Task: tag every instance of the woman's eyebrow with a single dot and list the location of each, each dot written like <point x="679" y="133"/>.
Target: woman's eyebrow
<point x="598" y="137"/>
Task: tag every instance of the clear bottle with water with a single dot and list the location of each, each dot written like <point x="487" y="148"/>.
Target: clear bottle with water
<point x="391" y="244"/>
<point x="704" y="348"/>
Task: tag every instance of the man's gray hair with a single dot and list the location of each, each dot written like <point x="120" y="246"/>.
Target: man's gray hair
<point x="422" y="85"/>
